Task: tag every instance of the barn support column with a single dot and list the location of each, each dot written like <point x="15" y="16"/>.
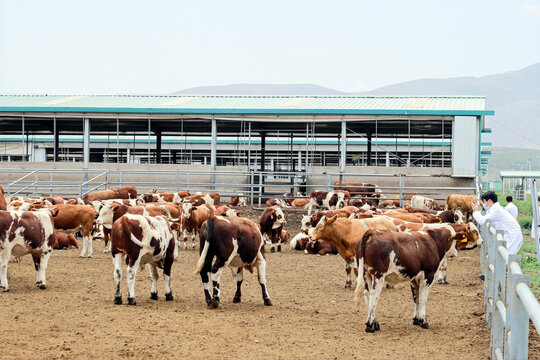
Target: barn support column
<point x="158" y="146"/>
<point x="249" y="147"/>
<point x="86" y="146"/>
<point x="263" y="149"/>
<point x="213" y="153"/>
<point x="149" y="129"/>
<point x="56" y="140"/>
<point x="343" y="149"/>
<point x="23" y="144"/>
<point x="117" y="140"/>
<point x="369" y="148"/>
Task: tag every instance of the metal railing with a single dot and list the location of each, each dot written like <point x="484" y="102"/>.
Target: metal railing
<point x="508" y="300"/>
<point x="257" y="185"/>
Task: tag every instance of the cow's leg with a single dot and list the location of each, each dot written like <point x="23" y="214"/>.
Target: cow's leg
<point x="239" y="274"/>
<point x="442" y="272"/>
<point x="106" y="239"/>
<point x="372" y="324"/>
<point x="88" y="237"/>
<point x="4" y="260"/>
<point x="261" y="273"/>
<point x="41" y="267"/>
<point x="348" y="269"/>
<point x="193" y="236"/>
<point x="185" y="236"/>
<point x="414" y="290"/>
<point x="205" y="280"/>
<point x="217" y="269"/>
<point x="118" y="261"/>
<point x="155" y="276"/>
<point x="176" y="247"/>
<point x="84" y="246"/>
<point x="131" y="275"/>
<point x="423" y="293"/>
<point x="167" y="265"/>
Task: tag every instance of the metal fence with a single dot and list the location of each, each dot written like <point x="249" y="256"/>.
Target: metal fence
<point x="508" y="300"/>
<point x="256" y="185"/>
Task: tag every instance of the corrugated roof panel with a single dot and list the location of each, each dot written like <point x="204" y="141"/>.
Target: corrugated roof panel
<point x="253" y="103"/>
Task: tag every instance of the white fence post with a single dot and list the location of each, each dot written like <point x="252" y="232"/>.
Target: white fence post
<point x="517" y="319"/>
<point x="499" y="294"/>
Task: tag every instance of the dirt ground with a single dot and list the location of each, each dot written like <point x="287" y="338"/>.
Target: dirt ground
<point x="313" y="316"/>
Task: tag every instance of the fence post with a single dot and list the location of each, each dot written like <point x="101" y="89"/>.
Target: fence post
<point x="120" y="179"/>
<point x="52" y="180"/>
<point x="260" y="188"/>
<point x="497" y="328"/>
<point x="187" y="181"/>
<point x="490" y="278"/>
<point x="177" y="181"/>
<point x="517" y="319"/>
<point x="401" y="185"/>
<point x="329" y="182"/>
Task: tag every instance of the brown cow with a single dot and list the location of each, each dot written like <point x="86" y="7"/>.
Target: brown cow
<point x="159" y="197"/>
<point x="392" y="201"/>
<point x="394" y="257"/>
<point x="345" y="233"/>
<point x="126" y="192"/>
<point x="64" y="241"/>
<point x="271" y="222"/>
<point x="300" y="202"/>
<point x="226" y="211"/>
<point x="179" y="196"/>
<point x="236" y="243"/>
<point x="463" y="203"/>
<point x="299" y="241"/>
<point x="321" y="248"/>
<point x="192" y="219"/>
<point x="26" y="233"/>
<point x="309" y="222"/>
<point x="143" y="240"/>
<point x="72" y="218"/>
<point x="3" y="205"/>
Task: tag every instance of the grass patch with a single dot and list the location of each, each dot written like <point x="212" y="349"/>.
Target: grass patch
<point x="529" y="262"/>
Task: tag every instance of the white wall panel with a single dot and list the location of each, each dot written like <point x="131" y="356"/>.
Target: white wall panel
<point x="465" y="146"/>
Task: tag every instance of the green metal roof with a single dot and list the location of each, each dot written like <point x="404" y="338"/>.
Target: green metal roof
<point x="252" y="104"/>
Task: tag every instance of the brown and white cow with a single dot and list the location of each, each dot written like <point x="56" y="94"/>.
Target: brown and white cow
<point x="423" y="202"/>
<point x="300" y="202"/>
<point x="345" y="233"/>
<point x="140" y="240"/>
<point x="299" y="241"/>
<point x="192" y="219"/>
<point x="226" y="211"/>
<point x="64" y="241"/>
<point x="309" y="222"/>
<point x="157" y="197"/>
<point x="24" y="233"/>
<point x="73" y="218"/>
<point x="359" y="188"/>
<point x="272" y="221"/>
<point x="112" y="211"/>
<point x="125" y="192"/>
<point x="385" y="256"/>
<point x="320" y="248"/>
<point x="328" y="200"/>
<point x="277" y="202"/>
<point x="239" y="200"/>
<point x="179" y="196"/>
<point x="236" y="243"/>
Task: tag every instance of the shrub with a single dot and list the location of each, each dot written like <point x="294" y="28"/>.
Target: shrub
<point x="525" y="222"/>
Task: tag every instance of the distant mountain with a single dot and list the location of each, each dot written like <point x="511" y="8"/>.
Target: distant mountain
<point x="262" y="89"/>
<point x="514" y="95"/>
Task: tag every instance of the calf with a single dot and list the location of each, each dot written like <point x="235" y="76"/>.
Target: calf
<point x="236" y="243"/>
<point x="140" y="240"/>
<point x="299" y="241"/>
<point x="344" y="234"/>
<point x="320" y="248"/>
<point x="24" y="233"/>
<point x="72" y="218"/>
<point x="394" y="257"/>
<point x="64" y="241"/>
<point x="300" y="202"/>
<point x="277" y="202"/>
<point x="272" y="221"/>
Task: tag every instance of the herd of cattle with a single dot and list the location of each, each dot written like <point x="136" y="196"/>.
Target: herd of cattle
<point x="384" y="242"/>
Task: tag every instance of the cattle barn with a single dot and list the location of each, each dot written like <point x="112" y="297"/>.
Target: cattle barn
<point x="298" y="135"/>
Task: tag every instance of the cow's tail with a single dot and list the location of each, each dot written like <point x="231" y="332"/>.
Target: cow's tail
<point x="204" y="251"/>
<point x="125" y="228"/>
<point x="360" y="281"/>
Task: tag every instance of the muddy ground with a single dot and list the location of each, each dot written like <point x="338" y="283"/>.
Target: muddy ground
<point x="313" y="316"/>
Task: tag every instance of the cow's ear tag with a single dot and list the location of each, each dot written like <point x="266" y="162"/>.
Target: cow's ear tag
<point x="272" y="217"/>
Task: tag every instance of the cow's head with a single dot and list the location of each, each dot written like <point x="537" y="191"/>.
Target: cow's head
<point x="306" y="224"/>
<point x="187" y="208"/>
<point x="147" y="198"/>
<point x="73" y="241"/>
<point x="322" y="228"/>
<point x="278" y="218"/>
<point x="231" y="213"/>
<point x="106" y="215"/>
<point x="458" y="217"/>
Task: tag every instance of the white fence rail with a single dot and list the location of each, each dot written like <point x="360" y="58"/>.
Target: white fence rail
<point x="508" y="299"/>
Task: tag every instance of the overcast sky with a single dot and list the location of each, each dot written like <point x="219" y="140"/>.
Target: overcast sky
<point x="112" y="47"/>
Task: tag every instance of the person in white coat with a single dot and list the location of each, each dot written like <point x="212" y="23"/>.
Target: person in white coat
<point x="511" y="207"/>
<point x="501" y="219"/>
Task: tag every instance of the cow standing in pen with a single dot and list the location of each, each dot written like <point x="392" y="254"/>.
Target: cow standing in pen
<point x="271" y="222"/>
<point x="143" y="240"/>
<point x="236" y="243"/>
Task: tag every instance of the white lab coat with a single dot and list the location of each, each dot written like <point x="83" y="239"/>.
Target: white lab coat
<point x="502" y="220"/>
<point x="512" y="209"/>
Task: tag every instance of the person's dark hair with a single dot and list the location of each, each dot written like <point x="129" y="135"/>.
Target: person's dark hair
<point x="539" y="198"/>
<point x="490" y="195"/>
<point x="509" y="199"/>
